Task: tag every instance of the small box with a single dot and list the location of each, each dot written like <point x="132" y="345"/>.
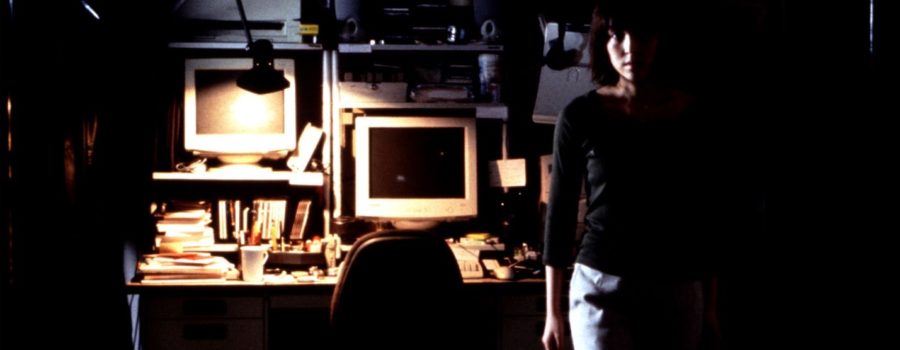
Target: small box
<point x="363" y="92"/>
<point x="295" y="259"/>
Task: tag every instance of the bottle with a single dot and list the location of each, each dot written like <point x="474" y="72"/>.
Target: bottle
<point x="489" y="77"/>
<point x="310" y="20"/>
<point x="332" y="250"/>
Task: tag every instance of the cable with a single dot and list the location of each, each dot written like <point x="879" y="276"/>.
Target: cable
<point x="197" y="166"/>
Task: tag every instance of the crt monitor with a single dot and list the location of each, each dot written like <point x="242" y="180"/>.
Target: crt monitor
<point x="236" y="126"/>
<point x="416" y="169"/>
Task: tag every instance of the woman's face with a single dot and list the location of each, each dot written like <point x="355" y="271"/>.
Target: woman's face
<point x="631" y="55"/>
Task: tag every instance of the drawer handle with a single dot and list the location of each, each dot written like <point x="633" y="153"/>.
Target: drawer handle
<point x="214" y="331"/>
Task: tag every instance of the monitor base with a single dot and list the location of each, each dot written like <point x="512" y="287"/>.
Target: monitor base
<point x="241" y="169"/>
<point x="239" y="159"/>
<point x="415" y="224"/>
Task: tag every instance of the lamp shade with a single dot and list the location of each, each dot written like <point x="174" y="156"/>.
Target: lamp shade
<point x="262" y="78"/>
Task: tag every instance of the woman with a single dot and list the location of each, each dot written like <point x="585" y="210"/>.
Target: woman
<point x="654" y="194"/>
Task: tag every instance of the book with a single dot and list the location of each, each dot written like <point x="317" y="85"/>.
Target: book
<point x="196" y="228"/>
<point x="191" y="261"/>
<point x="301" y="216"/>
<point x="180" y="281"/>
<point x="184" y="264"/>
<point x="189" y="214"/>
<point x="185" y="276"/>
<point x="157" y="269"/>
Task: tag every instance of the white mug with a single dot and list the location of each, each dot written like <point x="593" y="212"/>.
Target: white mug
<point x="253" y="260"/>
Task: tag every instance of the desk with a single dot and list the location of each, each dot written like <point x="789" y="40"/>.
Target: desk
<point x="506" y="315"/>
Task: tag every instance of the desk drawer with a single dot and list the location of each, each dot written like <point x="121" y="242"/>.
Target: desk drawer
<point x="200" y="307"/>
<point x="533" y="304"/>
<point x="522" y="333"/>
<point x="199" y="334"/>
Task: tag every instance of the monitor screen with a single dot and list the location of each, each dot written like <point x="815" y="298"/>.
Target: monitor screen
<point x="416" y="168"/>
<point x="237" y="126"/>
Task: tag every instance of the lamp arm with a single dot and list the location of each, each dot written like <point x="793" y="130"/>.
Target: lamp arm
<point x="240" y="6"/>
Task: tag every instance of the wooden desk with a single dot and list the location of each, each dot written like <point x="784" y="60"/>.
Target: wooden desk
<point x="240" y="315"/>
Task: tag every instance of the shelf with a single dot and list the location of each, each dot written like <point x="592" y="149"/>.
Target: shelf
<point x="368" y="48"/>
<point x="208" y="185"/>
<point x="215" y="248"/>
<point x="242" y="46"/>
<point x="482" y="110"/>
<point x="291" y="177"/>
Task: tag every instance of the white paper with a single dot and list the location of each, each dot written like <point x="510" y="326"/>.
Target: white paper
<point x="507" y="173"/>
<point x="546" y="165"/>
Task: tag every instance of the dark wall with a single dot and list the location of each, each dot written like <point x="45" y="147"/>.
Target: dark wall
<point x="4" y="179"/>
<point x="82" y="99"/>
<point x="804" y="80"/>
<point x="828" y="178"/>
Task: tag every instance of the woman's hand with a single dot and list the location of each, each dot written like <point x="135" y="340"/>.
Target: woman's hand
<point x="554" y="337"/>
<point x="554" y="333"/>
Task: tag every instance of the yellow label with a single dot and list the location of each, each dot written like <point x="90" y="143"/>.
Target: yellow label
<point x="309" y="29"/>
<point x="478" y="236"/>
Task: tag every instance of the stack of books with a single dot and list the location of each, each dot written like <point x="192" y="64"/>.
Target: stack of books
<point x="190" y="227"/>
<point x="184" y="267"/>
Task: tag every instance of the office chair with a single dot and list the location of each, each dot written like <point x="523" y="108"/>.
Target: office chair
<point x="398" y="289"/>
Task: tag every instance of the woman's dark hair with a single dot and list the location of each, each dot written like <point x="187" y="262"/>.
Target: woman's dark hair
<point x="642" y="16"/>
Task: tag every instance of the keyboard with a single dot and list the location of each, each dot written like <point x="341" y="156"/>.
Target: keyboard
<point x="469" y="265"/>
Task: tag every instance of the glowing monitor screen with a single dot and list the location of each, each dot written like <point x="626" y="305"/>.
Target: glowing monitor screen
<point x="416" y="168"/>
<point x="237" y="126"/>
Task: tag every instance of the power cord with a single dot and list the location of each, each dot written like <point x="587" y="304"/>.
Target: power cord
<point x="197" y="166"/>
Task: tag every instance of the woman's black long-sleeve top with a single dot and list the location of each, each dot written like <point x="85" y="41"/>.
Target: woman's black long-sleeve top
<point x="659" y="193"/>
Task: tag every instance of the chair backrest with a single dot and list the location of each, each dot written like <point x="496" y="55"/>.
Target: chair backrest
<point x="398" y="289"/>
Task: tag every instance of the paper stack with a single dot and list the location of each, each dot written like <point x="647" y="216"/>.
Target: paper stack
<point x="194" y="267"/>
<point x="191" y="228"/>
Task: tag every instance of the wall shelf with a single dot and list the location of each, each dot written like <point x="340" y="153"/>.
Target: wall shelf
<point x="292" y="178"/>
<point x="209" y="185"/>
<point x="208" y="45"/>
<point x="482" y="110"/>
<point x="368" y="48"/>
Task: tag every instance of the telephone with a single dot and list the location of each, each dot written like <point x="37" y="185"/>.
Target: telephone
<point x="469" y="264"/>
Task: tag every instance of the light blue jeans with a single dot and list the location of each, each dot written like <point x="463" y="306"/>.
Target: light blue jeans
<point x="608" y="312"/>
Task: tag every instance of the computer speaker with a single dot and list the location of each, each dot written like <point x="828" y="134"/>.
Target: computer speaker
<point x="352" y="18"/>
<point x="488" y="19"/>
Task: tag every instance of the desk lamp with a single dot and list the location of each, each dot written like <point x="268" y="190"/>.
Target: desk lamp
<point x="262" y="78"/>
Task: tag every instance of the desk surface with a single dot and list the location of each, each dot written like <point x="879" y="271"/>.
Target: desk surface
<point x="321" y="285"/>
